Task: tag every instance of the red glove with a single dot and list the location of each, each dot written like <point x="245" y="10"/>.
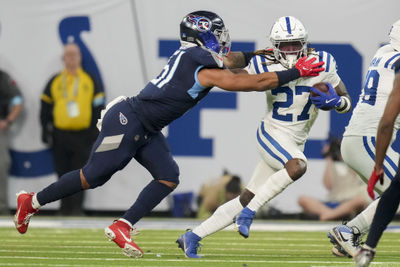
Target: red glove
<point x="372" y="182"/>
<point x="307" y="68"/>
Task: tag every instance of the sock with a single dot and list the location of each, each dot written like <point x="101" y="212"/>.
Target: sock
<point x="68" y="184"/>
<point x="150" y="196"/>
<point x="126" y="222"/>
<point x="275" y="184"/>
<point x="220" y="219"/>
<point x="385" y="212"/>
<point x="35" y="202"/>
<point x="363" y="220"/>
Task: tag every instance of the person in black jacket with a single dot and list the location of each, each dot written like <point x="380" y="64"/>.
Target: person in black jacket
<point x="10" y="108"/>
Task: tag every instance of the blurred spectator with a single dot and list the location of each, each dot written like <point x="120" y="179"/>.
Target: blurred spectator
<point x="216" y="192"/>
<point x="70" y="106"/>
<point x="347" y="193"/>
<point x="10" y="108"/>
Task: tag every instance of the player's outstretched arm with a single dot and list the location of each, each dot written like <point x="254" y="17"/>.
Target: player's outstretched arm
<point x="227" y="80"/>
<point x="237" y="60"/>
<point x="230" y="81"/>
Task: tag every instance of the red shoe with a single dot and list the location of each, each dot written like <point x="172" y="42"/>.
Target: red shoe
<point x="119" y="232"/>
<point x="24" y="211"/>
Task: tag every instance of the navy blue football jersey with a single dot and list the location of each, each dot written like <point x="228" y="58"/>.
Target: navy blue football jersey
<point x="176" y="89"/>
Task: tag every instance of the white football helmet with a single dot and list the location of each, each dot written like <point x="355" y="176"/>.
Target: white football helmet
<point x="289" y="39"/>
<point x="394" y="35"/>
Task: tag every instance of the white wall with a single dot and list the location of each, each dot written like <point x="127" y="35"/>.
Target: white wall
<point x="30" y="50"/>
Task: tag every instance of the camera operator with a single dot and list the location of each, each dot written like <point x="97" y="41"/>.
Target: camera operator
<point x="346" y="191"/>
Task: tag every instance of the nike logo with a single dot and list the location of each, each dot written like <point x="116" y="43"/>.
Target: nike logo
<point x="16" y="218"/>
<point x="329" y="101"/>
<point x="341" y="236"/>
<point x="124" y="236"/>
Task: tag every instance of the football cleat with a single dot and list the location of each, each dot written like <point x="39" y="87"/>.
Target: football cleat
<point x="244" y="221"/>
<point x="189" y="243"/>
<point x="364" y="257"/>
<point x="119" y="232"/>
<point x="346" y="240"/>
<point x="339" y="252"/>
<point x="24" y="211"/>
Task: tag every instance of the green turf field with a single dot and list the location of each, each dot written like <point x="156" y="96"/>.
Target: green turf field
<point x="88" y="247"/>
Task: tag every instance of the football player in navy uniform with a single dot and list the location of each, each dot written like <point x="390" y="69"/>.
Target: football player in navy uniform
<point x="130" y="127"/>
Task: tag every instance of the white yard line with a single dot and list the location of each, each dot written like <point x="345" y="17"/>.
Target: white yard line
<point x="175" y="224"/>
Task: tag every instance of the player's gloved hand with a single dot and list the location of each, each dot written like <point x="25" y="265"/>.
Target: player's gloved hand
<point x="375" y="176"/>
<point x="326" y="100"/>
<point x="308" y="68"/>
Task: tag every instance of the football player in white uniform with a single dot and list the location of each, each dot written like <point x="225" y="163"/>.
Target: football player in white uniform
<point x="282" y="133"/>
<point x="358" y="144"/>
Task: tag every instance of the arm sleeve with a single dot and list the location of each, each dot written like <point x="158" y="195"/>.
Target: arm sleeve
<point x="252" y="67"/>
<point x="12" y="92"/>
<point x="330" y="66"/>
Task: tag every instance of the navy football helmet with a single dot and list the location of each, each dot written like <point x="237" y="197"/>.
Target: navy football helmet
<point x="205" y="28"/>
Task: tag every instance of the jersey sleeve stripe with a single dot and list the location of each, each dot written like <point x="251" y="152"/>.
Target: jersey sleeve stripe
<point x="266" y="148"/>
<point x="197" y="87"/>
<point x="321" y="56"/>
<point x="255" y="62"/>
<point x="390" y="60"/>
<point x="263" y="64"/>
<point x="396" y="65"/>
<point x="328" y="62"/>
<point x="275" y="143"/>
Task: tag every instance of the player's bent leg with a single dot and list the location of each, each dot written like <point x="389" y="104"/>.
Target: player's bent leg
<point x="364" y="147"/>
<point x="275" y="184"/>
<point x="28" y="204"/>
<point x="221" y="218"/>
<point x="120" y="233"/>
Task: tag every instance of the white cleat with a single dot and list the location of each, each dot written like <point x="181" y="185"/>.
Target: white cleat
<point x="346" y="240"/>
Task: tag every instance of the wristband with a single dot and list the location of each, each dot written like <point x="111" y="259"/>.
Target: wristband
<point x="286" y="76"/>
<point x="345" y="105"/>
<point x="248" y="56"/>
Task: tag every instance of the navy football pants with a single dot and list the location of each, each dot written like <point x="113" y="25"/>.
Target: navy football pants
<point x="122" y="138"/>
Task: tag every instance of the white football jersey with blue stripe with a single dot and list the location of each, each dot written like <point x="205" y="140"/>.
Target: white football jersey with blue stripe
<point x="374" y="95"/>
<point x="289" y="107"/>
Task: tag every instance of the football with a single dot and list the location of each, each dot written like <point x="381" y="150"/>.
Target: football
<point x="320" y="87"/>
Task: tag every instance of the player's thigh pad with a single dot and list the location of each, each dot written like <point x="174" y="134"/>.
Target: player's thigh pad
<point x="121" y="135"/>
<point x="359" y="153"/>
<point x="260" y="175"/>
<point x="277" y="147"/>
<point x="156" y="157"/>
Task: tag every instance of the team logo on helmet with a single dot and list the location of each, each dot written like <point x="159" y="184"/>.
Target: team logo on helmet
<point x="202" y="24"/>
